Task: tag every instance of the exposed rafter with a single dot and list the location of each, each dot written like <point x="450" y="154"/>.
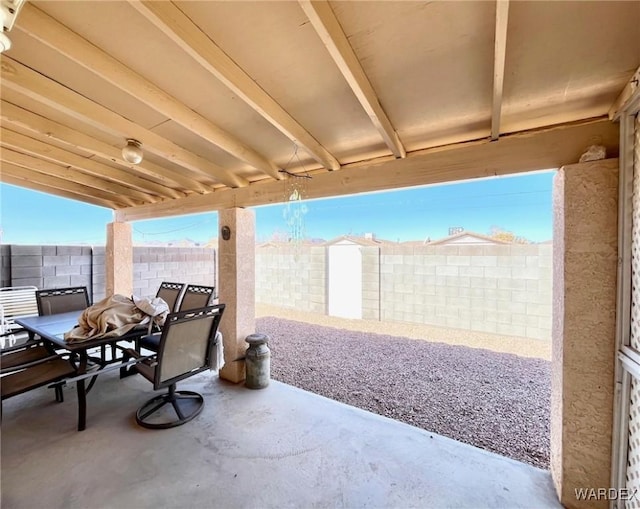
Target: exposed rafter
<point x="40" y="88"/>
<point x="188" y="36"/>
<point x="328" y="28"/>
<point x="44" y="128"/>
<point x="523" y="152"/>
<point x="47" y="30"/>
<point x="22" y="143"/>
<point x="499" y="54"/>
<point x="18" y="176"/>
<point x="100" y="187"/>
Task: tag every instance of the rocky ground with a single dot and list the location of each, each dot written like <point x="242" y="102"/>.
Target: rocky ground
<point x="494" y="400"/>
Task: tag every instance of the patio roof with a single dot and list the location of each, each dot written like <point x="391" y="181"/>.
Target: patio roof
<point x="361" y="95"/>
<point x="276" y="447"/>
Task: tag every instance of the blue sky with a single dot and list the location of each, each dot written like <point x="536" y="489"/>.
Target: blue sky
<point x="521" y="204"/>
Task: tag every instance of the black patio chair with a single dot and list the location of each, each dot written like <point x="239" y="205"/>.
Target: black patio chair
<point x="170" y="293"/>
<point x="62" y="300"/>
<point x="194" y="297"/>
<point x="187" y="347"/>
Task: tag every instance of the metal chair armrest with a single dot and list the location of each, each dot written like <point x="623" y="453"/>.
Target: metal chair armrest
<point x="149" y="360"/>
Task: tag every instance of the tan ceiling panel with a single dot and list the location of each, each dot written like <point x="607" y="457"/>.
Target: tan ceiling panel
<point x="39" y="25"/>
<point x="287" y="59"/>
<point x="59" y="68"/>
<point x="429" y="62"/>
<point x="465" y="126"/>
<point x="171" y="130"/>
<point x="330" y="32"/>
<point x="567" y="60"/>
<point x="186" y="34"/>
<point x="141" y="45"/>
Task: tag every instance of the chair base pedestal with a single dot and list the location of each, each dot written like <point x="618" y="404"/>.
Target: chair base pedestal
<point x="170" y="409"/>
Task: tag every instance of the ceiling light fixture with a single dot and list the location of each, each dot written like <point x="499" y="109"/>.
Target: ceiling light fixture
<point x="8" y="12"/>
<point x="132" y="153"/>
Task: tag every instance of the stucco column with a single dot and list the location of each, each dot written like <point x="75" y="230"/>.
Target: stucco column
<point x="119" y="259"/>
<point x="237" y="280"/>
<point x="585" y="205"/>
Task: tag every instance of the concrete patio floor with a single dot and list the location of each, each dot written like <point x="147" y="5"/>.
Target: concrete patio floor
<point x="277" y="447"/>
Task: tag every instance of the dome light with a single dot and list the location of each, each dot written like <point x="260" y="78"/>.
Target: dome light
<point x="132" y="153"/>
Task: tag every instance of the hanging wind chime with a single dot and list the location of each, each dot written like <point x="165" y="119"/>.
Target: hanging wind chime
<point x="295" y="192"/>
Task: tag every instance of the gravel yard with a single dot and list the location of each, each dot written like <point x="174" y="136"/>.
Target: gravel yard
<point x="493" y="400"/>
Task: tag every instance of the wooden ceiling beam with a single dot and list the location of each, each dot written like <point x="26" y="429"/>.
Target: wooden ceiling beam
<point x="511" y="154"/>
<point x="22" y="177"/>
<point x="190" y="38"/>
<point x="499" y="54"/>
<point x="38" y="87"/>
<point x="328" y="28"/>
<point x="21" y="143"/>
<point x="44" y="128"/>
<point x="97" y="186"/>
<point x="54" y="34"/>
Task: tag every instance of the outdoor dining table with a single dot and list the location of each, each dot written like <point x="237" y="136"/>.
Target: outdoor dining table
<point x="51" y="328"/>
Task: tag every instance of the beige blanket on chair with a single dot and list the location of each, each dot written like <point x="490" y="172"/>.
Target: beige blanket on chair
<point x="115" y="316"/>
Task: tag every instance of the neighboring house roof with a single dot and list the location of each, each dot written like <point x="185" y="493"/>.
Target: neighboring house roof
<point x="414" y="243"/>
<point x="467" y="237"/>
<point x="350" y="239"/>
<point x="285" y="243"/>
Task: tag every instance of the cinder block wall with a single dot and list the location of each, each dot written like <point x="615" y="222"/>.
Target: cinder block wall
<point x="62" y="266"/>
<point x="370" y="283"/>
<point x="292" y="277"/>
<point x="502" y="289"/>
<point x="153" y="265"/>
<point x="50" y="266"/>
<point x="5" y="265"/>
<point x="99" y="274"/>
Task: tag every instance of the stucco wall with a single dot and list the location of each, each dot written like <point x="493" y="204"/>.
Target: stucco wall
<point x="584" y="304"/>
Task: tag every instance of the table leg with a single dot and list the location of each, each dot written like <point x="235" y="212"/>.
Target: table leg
<point x="82" y="393"/>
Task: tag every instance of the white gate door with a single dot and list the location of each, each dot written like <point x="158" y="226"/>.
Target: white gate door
<point x="345" y="280"/>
